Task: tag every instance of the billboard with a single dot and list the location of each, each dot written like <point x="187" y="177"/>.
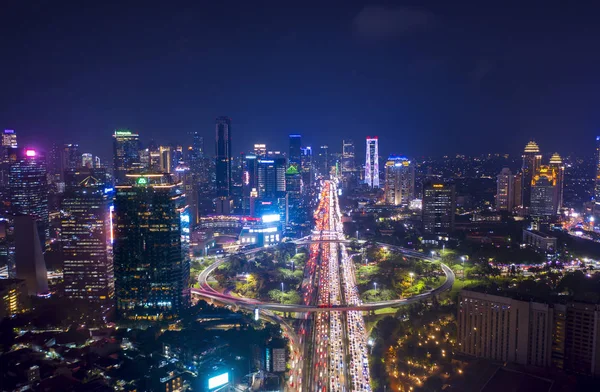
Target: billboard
<point x="217" y="381"/>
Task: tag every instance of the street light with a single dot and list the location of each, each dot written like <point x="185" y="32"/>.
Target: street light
<point x="292" y="265"/>
<point x="411" y="274"/>
<point x="375" y="283"/>
<point x="357" y="235"/>
<point x="281" y="292"/>
<point x="463" y="267"/>
<point x="432" y="253"/>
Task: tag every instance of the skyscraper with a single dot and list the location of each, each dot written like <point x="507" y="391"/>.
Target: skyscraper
<point x="126" y="147"/>
<point x="505" y="190"/>
<point x="29" y="189"/>
<point x="293" y="187"/>
<point x="271" y="175"/>
<point x="372" y="162"/>
<point x="306" y="168"/>
<point x="597" y="183"/>
<point x="439" y="205"/>
<point x="71" y="158"/>
<point x="151" y="271"/>
<point x="532" y="159"/>
<point x="556" y="163"/>
<point x="223" y="156"/>
<point x="86" y="242"/>
<point x="260" y="150"/>
<point x="9" y="138"/>
<point x="30" y="264"/>
<point x="543" y="192"/>
<point x="87" y="160"/>
<point x="295" y="153"/>
<point x="8" y="155"/>
<point x="324" y="163"/>
<point x="399" y="181"/>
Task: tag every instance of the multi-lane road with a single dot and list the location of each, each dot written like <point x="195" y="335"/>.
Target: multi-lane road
<point x="329" y="347"/>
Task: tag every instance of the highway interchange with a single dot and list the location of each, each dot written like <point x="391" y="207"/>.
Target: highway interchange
<point x="328" y="350"/>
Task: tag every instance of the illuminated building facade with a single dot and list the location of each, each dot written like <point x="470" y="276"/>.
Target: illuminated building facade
<point x="271" y="175"/>
<point x="439" y="205"/>
<point x="543" y="192"/>
<point x="293" y="187"/>
<point x="13" y="297"/>
<point x="597" y="182"/>
<point x="151" y="271"/>
<point x="8" y="155"/>
<point x="260" y="150"/>
<point x="399" y="181"/>
<point x="294" y="158"/>
<point x="306" y="163"/>
<point x="9" y="138"/>
<point x="126" y="147"/>
<point x="556" y="164"/>
<point x="532" y="160"/>
<point x="323" y="161"/>
<point x="71" y="158"/>
<point x="372" y="162"/>
<point x="86" y="232"/>
<point x="223" y="156"/>
<point x="29" y="189"/>
<point x="508" y="190"/>
<point x="87" y="160"/>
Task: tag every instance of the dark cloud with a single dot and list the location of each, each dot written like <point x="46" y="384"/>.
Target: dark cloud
<point x="380" y="22"/>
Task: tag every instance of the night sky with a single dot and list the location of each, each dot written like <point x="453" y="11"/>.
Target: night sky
<point x="427" y="77"/>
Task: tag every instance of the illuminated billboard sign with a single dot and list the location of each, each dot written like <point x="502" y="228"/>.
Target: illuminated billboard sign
<point x="217" y="381"/>
<point x="268" y="218"/>
<point x="142" y="181"/>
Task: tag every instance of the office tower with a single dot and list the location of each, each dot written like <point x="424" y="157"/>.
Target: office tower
<point x="597" y="182"/>
<point x="151" y="272"/>
<point x="372" y="162"/>
<point x="126" y="147"/>
<point x="306" y="166"/>
<point x="9" y="138"/>
<point x="249" y="180"/>
<point x="348" y="163"/>
<point x="13" y="297"/>
<point x="86" y="241"/>
<point x="543" y="192"/>
<point x="505" y="190"/>
<point x="295" y="150"/>
<point x="439" y="205"/>
<point x="97" y="163"/>
<point x="260" y="150"/>
<point x="293" y="187"/>
<point x="165" y="159"/>
<point x="271" y="175"/>
<point x="532" y="159"/>
<point x="323" y="161"/>
<point x="518" y="189"/>
<point x="8" y="155"/>
<point x="71" y="158"/>
<point x="399" y="181"/>
<point x="87" y="160"/>
<point x="556" y="163"/>
<point x="29" y="259"/>
<point x="223" y="156"/>
<point x="29" y="189"/>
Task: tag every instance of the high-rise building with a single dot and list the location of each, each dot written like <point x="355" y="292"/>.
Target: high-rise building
<point x="13" y="297"/>
<point x="165" y="159"/>
<point x="29" y="259"/>
<point x="399" y="181"/>
<point x="271" y="175"/>
<point x="9" y="138"/>
<point x="561" y="336"/>
<point x="306" y="164"/>
<point x="7" y="156"/>
<point x="532" y="160"/>
<point x="295" y="150"/>
<point x="293" y="187"/>
<point x="323" y="161"/>
<point x="372" y="162"/>
<point x="543" y="192"/>
<point x="86" y="232"/>
<point x="87" y="160"/>
<point x="151" y="271"/>
<point x="260" y="150"/>
<point x="556" y="163"/>
<point x="505" y="190"/>
<point x="597" y="182"/>
<point x="126" y="147"/>
<point x="348" y="163"/>
<point x="29" y="189"/>
<point x="439" y="205"/>
<point x="223" y="156"/>
<point x="71" y="158"/>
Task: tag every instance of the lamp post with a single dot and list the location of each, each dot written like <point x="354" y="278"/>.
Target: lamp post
<point x="292" y="265"/>
<point x="375" y="283"/>
<point x="462" y="258"/>
<point x="432" y="254"/>
<point x="411" y="274"/>
<point x="281" y="292"/>
<point x="356" y="235"/>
